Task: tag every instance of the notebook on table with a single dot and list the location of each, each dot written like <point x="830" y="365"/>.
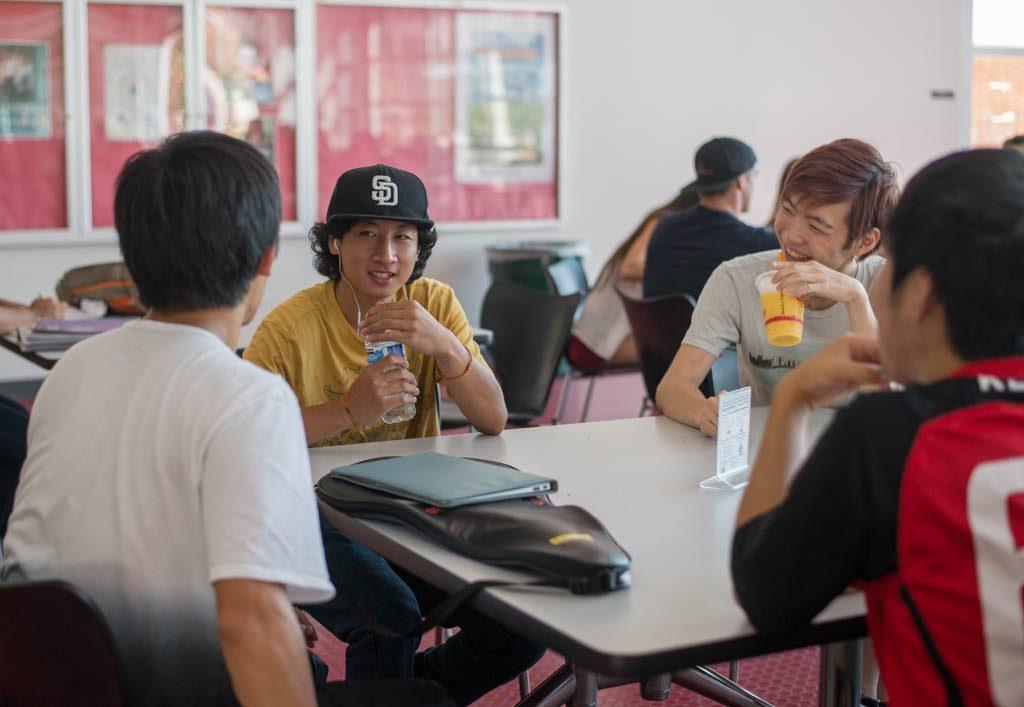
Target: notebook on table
<point x="61" y="334"/>
<point x="444" y="481"/>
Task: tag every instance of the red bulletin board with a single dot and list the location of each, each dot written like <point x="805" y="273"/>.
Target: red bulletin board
<point x="32" y="166"/>
<point x="388" y="90"/>
<point x="154" y="30"/>
<point x="250" y="85"/>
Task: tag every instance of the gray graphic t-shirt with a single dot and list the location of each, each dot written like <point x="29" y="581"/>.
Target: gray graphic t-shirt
<point x="729" y="312"/>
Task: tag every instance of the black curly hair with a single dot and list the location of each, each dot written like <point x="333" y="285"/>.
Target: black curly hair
<point x="326" y="262"/>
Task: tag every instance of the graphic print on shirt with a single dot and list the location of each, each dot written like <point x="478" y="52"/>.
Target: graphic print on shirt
<point x="771" y="362"/>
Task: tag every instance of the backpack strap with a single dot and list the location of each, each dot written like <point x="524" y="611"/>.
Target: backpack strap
<point x="953" y="697"/>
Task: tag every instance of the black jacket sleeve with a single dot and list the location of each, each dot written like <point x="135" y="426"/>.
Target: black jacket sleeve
<point x="788" y="563"/>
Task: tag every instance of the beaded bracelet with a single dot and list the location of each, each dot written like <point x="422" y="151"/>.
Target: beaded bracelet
<point x="469" y="364"/>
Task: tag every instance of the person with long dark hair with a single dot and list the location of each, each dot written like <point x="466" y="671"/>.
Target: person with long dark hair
<point x="601" y="335"/>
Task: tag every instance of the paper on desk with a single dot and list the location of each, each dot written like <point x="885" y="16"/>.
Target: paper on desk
<point x="733" y="435"/>
<point x="87" y="309"/>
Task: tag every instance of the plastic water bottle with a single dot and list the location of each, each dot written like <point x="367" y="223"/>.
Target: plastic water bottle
<point x="375" y="352"/>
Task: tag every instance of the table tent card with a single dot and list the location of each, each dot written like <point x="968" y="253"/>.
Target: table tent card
<point x="731" y="461"/>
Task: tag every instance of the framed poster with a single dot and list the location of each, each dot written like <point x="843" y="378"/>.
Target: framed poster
<point x="504" y="97"/>
<point x="136" y="89"/>
<point x="136" y="108"/>
<point x="24" y="90"/>
<point x="33" y="140"/>
<point x="250" y="86"/>
<point x="467" y="99"/>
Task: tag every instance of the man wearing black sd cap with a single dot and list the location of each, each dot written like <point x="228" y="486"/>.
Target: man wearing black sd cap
<point x="687" y="246"/>
<point x="373" y="247"/>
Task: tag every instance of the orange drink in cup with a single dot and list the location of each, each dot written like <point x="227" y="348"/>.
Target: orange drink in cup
<point x="783" y="314"/>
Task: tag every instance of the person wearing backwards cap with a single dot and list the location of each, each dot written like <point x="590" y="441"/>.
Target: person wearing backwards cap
<point x="685" y="247"/>
<point x="373" y="247"/>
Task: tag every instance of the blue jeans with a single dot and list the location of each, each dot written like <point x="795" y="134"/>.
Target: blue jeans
<point x="13" y="441"/>
<point x="482" y="656"/>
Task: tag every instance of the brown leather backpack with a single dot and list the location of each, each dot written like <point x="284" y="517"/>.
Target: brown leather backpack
<point x="109" y="282"/>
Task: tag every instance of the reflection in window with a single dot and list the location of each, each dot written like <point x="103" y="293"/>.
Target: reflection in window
<point x="998" y="102"/>
<point x="249" y="85"/>
<point x="136" y="89"/>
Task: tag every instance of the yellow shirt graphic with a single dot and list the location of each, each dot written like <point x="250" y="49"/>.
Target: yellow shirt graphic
<point x="308" y="342"/>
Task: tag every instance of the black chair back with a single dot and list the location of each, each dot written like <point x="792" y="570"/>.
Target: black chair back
<point x="55" y="648"/>
<point x="567" y="277"/>
<point x="530" y="329"/>
<point x="659" y="325"/>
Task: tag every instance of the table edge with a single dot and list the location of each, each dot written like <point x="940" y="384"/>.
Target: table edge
<point x="493" y="605"/>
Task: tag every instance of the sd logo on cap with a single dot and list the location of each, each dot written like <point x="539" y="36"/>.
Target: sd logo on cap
<point x="385" y="193"/>
<point x="379" y="192"/>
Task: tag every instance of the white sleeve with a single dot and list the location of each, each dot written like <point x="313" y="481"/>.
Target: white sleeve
<point x="259" y="510"/>
<point x="714" y="326"/>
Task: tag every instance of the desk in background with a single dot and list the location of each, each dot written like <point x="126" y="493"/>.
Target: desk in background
<point x="45" y="360"/>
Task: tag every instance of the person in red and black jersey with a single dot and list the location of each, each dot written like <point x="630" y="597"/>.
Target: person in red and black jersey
<point x="916" y="496"/>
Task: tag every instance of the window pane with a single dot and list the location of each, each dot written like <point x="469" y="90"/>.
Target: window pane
<point x="998" y="23"/>
<point x="32" y="149"/>
<point x="465" y="99"/>
<point x="250" y="85"/>
<point x="136" y="89"/>
<point x="998" y="99"/>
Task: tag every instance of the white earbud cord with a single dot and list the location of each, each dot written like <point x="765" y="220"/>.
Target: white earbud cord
<point x="359" y="310"/>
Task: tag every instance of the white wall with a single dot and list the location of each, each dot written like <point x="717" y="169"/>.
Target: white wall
<point x="648" y="81"/>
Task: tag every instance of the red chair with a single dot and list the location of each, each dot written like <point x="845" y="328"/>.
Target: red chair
<point x="56" y="648"/>
<point x="659" y="325"/>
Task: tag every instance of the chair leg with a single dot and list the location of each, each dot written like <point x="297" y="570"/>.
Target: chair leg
<point x="643" y="407"/>
<point x="710" y="684"/>
<point x="441" y="634"/>
<point x="590" y="396"/>
<point x="524" y="684"/>
<point x="563" y="397"/>
<point x="734" y="670"/>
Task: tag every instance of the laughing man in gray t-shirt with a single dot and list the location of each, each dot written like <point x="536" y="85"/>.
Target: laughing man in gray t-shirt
<point x="834" y="204"/>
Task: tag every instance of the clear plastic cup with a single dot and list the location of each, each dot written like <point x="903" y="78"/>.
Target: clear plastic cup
<point x="783" y="314"/>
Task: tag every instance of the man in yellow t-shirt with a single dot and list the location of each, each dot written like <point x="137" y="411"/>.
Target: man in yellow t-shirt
<point x="373" y="248"/>
<point x="308" y="341"/>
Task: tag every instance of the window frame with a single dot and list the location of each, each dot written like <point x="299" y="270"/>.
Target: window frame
<point x="967" y="79"/>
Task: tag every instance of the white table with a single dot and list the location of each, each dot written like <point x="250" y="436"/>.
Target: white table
<point x="640" y="478"/>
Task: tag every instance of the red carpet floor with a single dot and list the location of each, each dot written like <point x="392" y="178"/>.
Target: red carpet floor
<point x="784" y="679"/>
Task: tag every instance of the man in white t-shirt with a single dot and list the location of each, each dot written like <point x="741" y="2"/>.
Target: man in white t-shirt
<point x="834" y="204"/>
<point x="167" y="477"/>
